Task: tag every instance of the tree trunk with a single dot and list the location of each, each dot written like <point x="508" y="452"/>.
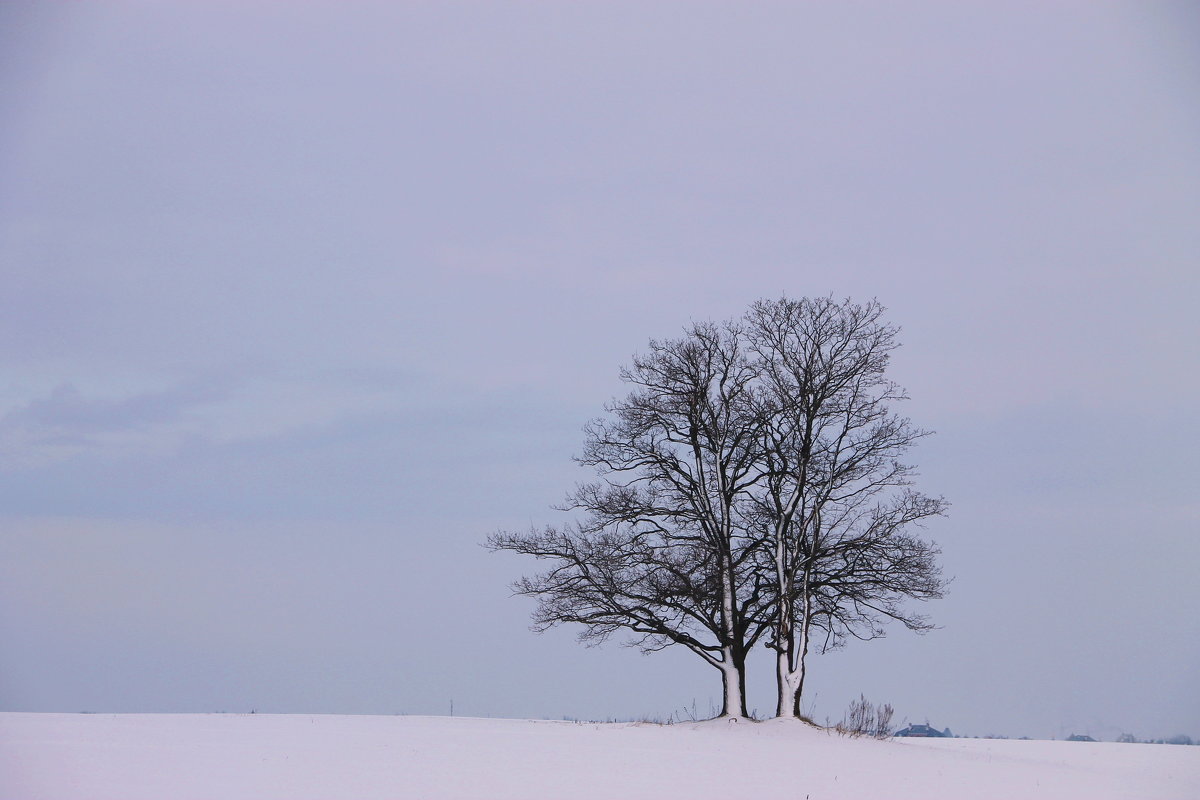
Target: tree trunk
<point x="733" y="652"/>
<point x="733" y="683"/>
<point x="784" y="642"/>
<point x="785" y="684"/>
<point x="790" y="659"/>
<point x="801" y="669"/>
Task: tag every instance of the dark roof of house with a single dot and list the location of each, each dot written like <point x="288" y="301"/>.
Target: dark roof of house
<point x="919" y="730"/>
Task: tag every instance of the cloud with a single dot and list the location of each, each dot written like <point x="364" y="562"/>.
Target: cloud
<point x="67" y="422"/>
<point x="67" y="410"/>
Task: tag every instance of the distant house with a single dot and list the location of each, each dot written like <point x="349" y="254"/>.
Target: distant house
<point x="1075" y="737"/>
<point x="926" y="731"/>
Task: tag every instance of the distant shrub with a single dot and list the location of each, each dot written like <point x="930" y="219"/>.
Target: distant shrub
<point x="864" y="718"/>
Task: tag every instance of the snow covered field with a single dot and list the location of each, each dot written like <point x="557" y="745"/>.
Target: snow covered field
<point x="133" y="756"/>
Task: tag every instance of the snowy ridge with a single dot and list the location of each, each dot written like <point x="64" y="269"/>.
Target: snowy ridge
<point x="263" y="756"/>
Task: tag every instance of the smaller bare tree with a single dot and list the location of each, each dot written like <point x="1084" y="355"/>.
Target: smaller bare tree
<point x="836" y="504"/>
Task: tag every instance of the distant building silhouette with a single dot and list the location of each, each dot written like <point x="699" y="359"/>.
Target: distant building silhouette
<point x="926" y="731"/>
<point x="1075" y="737"/>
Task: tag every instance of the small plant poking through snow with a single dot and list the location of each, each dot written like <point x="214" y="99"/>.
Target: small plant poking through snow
<point x="864" y="718"/>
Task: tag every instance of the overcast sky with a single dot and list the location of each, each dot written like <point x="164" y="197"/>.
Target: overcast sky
<point x="301" y="301"/>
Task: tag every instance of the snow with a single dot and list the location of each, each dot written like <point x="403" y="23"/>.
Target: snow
<point x="261" y="756"/>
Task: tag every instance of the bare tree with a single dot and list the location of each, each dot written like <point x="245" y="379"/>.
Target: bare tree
<point x="750" y="486"/>
<point x="662" y="551"/>
<point x="835" y="506"/>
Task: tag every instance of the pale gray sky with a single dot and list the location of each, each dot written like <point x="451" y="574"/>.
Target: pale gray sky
<point x="300" y="301"/>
